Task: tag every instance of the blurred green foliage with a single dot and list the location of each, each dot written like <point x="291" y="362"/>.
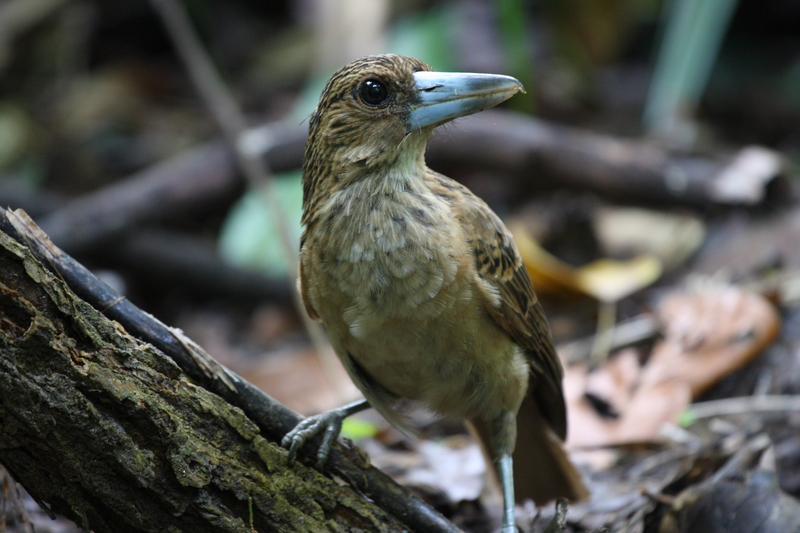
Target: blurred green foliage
<point x="692" y="35"/>
<point x="249" y="237"/>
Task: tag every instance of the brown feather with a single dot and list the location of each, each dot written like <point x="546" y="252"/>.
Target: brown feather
<point x="302" y="286"/>
<point x="520" y="315"/>
<point x="419" y="283"/>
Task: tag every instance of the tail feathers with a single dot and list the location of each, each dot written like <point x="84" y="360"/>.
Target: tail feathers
<point x="542" y="469"/>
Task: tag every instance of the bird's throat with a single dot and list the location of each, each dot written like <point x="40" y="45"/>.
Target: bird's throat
<point x="383" y="235"/>
<point x="362" y="171"/>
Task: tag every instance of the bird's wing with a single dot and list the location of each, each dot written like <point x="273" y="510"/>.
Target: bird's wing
<point x="302" y="285"/>
<point x="518" y="311"/>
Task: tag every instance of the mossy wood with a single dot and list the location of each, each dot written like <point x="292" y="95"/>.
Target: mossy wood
<point x="106" y="430"/>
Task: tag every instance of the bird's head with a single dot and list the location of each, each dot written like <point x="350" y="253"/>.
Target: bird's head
<point x="379" y="111"/>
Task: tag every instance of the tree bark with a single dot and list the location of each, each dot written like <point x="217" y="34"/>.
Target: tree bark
<point x="106" y="430"/>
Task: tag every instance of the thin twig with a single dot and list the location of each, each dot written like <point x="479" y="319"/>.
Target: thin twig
<point x="231" y="120"/>
<point x="744" y="405"/>
<point x="628" y="333"/>
<point x="604" y="338"/>
<point x="559" y="522"/>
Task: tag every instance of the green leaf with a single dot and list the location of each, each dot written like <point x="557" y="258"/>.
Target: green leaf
<point x="687" y="418"/>
<point x="426" y="36"/>
<point x="249" y="238"/>
<point x="357" y="429"/>
<point x="692" y="35"/>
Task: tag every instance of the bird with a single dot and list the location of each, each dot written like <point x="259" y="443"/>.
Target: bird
<point x="418" y="283"/>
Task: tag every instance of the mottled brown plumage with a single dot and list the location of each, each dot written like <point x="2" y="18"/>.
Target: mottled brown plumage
<point x="419" y="284"/>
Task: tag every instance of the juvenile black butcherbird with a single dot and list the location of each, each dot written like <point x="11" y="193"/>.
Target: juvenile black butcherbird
<point x="419" y="284"/>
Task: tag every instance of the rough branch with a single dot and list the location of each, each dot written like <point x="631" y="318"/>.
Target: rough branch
<point x="104" y="429"/>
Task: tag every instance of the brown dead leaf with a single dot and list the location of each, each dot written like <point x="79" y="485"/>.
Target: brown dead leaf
<point x="615" y="381"/>
<point x="548" y="273"/>
<point x="609" y="280"/>
<point x="631" y="413"/>
<point x="651" y="407"/>
<point x="708" y="334"/>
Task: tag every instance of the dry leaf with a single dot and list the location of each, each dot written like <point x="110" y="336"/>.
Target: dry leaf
<point x="609" y="280"/>
<point x="636" y="413"/>
<point x="548" y="273"/>
<point x="707" y="335"/>
<point x="629" y="231"/>
<point x="604" y="279"/>
<point x="710" y="333"/>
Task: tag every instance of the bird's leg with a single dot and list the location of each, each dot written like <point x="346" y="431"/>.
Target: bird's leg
<point x="505" y="466"/>
<point x="503" y="436"/>
<point x="329" y="423"/>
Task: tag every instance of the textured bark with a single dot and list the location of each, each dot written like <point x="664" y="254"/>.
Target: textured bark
<point x="106" y="430"/>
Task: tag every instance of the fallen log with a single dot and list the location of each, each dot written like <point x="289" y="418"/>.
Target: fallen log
<point x="108" y="430"/>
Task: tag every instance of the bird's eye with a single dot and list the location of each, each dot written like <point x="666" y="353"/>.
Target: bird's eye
<point x="373" y="92"/>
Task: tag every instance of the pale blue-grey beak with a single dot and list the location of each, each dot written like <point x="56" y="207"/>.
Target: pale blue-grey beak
<point x="443" y="96"/>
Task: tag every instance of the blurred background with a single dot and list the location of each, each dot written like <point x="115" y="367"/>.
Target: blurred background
<point x="649" y="175"/>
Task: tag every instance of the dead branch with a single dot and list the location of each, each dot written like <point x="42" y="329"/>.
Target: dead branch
<point x="190" y="181"/>
<point x="173" y="259"/>
<point x="104" y="429"/>
<point x="536" y="154"/>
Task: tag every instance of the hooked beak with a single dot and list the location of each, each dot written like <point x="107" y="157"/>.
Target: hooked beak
<point x="443" y="96"/>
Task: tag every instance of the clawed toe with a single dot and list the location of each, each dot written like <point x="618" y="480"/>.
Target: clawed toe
<point x="329" y="424"/>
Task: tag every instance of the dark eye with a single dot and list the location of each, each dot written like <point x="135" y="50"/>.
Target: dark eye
<point x="373" y="92"/>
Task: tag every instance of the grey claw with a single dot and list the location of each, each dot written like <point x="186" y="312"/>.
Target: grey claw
<point x="330" y="423"/>
<point x="294" y="444"/>
<point x="331" y="432"/>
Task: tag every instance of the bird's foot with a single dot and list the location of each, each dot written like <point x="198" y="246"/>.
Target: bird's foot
<point x="328" y="423"/>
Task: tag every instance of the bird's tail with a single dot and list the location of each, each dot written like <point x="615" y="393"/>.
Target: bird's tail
<point x="542" y="469"/>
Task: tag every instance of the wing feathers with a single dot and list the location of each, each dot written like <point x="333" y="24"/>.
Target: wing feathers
<point x="518" y="312"/>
